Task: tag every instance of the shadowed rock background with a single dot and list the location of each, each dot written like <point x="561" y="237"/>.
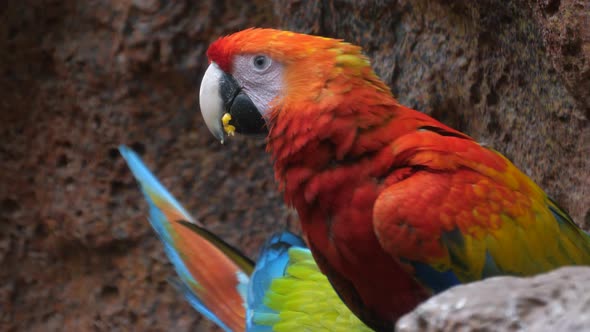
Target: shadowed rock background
<point x="78" y="78"/>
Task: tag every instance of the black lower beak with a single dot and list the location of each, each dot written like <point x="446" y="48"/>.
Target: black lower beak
<point x="245" y="116"/>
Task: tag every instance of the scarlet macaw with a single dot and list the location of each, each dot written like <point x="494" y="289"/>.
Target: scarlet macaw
<point x="394" y="205"/>
<point x="283" y="291"/>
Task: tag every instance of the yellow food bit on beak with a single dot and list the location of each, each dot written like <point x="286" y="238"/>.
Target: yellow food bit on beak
<point x="229" y="129"/>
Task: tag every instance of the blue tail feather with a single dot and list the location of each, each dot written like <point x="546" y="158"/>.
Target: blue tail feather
<point x="151" y="187"/>
<point x="196" y="303"/>
<point x="271" y="264"/>
<point x="148" y="180"/>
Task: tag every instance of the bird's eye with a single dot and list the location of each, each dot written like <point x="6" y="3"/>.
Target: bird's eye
<point x="261" y="62"/>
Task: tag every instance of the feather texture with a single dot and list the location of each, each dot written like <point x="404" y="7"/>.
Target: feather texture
<point x="395" y="206"/>
<point x="285" y="291"/>
<point x="291" y="294"/>
<point x="213" y="277"/>
<point x="472" y="213"/>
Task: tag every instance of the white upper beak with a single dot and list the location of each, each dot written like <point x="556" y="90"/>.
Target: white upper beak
<point x="211" y="102"/>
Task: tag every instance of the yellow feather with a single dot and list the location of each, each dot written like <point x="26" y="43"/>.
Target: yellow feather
<point x="350" y="60"/>
<point x="306" y="301"/>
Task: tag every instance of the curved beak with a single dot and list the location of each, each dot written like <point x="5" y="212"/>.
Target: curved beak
<point x="225" y="107"/>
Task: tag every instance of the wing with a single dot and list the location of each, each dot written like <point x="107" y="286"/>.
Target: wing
<point x="286" y="290"/>
<point x="213" y="275"/>
<point x="466" y="213"/>
<point x="289" y="293"/>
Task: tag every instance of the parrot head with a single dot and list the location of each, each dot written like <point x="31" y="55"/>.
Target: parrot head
<point x="256" y="75"/>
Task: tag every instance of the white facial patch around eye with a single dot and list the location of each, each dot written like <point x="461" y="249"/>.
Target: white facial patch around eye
<point x="262" y="87"/>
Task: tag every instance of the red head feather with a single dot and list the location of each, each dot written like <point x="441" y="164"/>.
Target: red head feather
<point x="252" y="40"/>
<point x="309" y="62"/>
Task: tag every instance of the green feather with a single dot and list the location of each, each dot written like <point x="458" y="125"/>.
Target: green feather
<point x="305" y="300"/>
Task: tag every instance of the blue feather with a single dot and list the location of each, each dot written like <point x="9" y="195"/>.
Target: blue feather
<point x="434" y="279"/>
<point x="490" y="269"/>
<point x="151" y="187"/>
<point x="271" y="264"/>
<point x="437" y="281"/>
<point x="148" y="180"/>
<point x="196" y="303"/>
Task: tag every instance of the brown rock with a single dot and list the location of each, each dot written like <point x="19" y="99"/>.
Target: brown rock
<point x="78" y="78"/>
<point x="555" y="301"/>
<point x="565" y="26"/>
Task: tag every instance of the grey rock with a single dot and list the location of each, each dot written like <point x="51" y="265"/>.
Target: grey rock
<point x="555" y="301"/>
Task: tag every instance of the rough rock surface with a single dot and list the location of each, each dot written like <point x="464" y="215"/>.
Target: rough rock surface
<point x="556" y="301"/>
<point x="565" y="26"/>
<point x="77" y="78"/>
